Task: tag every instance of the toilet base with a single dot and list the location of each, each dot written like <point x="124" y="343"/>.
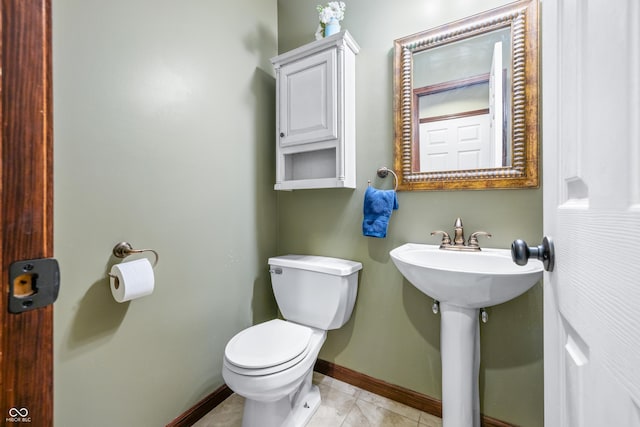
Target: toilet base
<point x="294" y="410"/>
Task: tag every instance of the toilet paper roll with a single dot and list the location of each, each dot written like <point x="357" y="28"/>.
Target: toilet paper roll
<point x="131" y="280"/>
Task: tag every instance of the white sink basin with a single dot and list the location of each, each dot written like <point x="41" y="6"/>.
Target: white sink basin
<point x="465" y="279"/>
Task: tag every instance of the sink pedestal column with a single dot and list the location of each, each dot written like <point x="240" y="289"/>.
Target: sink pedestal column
<point x="460" y="352"/>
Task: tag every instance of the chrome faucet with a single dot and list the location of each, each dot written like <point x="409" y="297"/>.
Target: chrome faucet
<point x="458" y="238"/>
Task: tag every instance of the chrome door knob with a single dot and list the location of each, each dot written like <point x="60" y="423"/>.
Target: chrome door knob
<point x="521" y="252"/>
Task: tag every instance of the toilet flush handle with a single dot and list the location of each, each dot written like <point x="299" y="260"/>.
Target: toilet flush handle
<point x="275" y="270"/>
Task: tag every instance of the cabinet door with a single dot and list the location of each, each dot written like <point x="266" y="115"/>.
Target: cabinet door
<point x="308" y="101"/>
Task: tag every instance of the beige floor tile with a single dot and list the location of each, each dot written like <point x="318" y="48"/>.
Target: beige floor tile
<point x="365" y="414"/>
<point x="319" y="378"/>
<point x="343" y="405"/>
<point x="334" y="383"/>
<point x="346" y="388"/>
<point x="334" y="407"/>
<point x="227" y="414"/>
<point x="428" y="420"/>
<point x="383" y="402"/>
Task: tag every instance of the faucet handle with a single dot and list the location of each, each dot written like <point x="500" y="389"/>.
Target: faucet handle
<point x="473" y="239"/>
<point x="446" y="240"/>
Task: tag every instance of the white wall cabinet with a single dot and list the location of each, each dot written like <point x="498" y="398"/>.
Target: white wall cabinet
<point x="315" y="115"/>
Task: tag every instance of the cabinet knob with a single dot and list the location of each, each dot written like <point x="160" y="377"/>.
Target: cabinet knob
<point x="281" y="134"/>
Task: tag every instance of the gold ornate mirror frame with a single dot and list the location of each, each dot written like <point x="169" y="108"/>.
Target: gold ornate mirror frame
<point x="522" y="18"/>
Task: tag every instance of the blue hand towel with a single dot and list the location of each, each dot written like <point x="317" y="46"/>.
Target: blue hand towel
<point x="378" y="205"/>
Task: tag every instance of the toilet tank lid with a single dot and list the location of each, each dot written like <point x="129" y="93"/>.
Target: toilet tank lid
<point x="321" y="264"/>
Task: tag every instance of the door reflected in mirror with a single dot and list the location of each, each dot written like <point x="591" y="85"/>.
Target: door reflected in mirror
<point x="466" y="102"/>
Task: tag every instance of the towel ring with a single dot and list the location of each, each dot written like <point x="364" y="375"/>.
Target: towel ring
<point x="383" y="172"/>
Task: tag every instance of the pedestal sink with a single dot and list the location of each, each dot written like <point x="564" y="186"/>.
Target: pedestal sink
<point x="463" y="282"/>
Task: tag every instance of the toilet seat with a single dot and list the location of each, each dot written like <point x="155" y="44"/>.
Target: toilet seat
<point x="268" y="348"/>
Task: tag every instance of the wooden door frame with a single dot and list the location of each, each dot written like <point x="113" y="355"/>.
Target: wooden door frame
<point x="26" y="206"/>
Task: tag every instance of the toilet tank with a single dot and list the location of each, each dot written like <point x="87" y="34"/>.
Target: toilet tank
<point x="315" y="291"/>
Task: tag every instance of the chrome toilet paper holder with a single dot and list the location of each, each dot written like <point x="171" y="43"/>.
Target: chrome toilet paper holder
<point x="124" y="249"/>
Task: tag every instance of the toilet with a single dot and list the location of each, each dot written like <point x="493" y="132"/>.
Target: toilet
<point x="271" y="364"/>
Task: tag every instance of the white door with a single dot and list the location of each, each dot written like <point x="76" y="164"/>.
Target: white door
<point x="456" y="144"/>
<point x="591" y="132"/>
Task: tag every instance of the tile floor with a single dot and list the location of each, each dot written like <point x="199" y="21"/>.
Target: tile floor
<point x="343" y="405"/>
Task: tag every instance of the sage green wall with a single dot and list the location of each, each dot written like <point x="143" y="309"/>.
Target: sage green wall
<point x="392" y="334"/>
<point x="164" y="125"/>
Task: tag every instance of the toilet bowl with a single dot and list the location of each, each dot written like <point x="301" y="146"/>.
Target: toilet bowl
<point x="271" y="364"/>
<point x="280" y="394"/>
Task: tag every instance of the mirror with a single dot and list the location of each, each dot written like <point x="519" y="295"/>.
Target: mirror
<point x="466" y="102"/>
